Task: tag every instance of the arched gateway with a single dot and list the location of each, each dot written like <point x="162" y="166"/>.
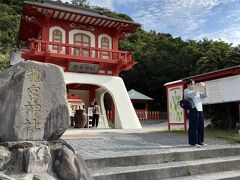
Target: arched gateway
<point x="85" y="44"/>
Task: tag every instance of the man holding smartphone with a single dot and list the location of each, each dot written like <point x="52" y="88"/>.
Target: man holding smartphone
<point x="196" y="122"/>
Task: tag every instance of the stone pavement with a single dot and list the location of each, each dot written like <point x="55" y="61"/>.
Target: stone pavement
<point x="153" y="137"/>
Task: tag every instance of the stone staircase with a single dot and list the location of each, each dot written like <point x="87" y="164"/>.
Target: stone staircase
<point x="209" y="162"/>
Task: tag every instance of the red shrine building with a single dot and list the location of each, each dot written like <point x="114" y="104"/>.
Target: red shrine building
<point x="85" y="44"/>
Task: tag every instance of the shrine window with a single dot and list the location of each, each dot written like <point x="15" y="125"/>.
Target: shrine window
<point x="57" y="37"/>
<point x="82" y="40"/>
<point x="105" y="45"/>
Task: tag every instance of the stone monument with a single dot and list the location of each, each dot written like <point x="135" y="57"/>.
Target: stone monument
<point x="33" y="102"/>
<point x="33" y="116"/>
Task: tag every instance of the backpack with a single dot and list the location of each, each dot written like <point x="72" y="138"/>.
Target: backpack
<point x="186" y="104"/>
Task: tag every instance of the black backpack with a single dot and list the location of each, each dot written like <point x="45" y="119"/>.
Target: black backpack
<point x="186" y="104"/>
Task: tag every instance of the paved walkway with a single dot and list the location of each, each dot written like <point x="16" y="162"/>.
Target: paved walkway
<point x="93" y="143"/>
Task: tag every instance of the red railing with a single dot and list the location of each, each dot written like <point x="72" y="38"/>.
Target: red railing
<point x="142" y="114"/>
<point x="109" y="115"/>
<point x="41" y="46"/>
<point x="147" y="115"/>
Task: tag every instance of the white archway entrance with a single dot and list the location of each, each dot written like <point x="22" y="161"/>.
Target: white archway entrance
<point x="125" y="116"/>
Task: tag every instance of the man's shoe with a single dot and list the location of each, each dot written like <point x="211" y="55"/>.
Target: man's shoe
<point x="203" y="144"/>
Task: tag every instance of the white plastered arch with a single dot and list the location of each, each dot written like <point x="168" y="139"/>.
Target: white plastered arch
<point x="51" y="37"/>
<point x="100" y="98"/>
<point x="76" y="31"/>
<point x="91" y="35"/>
<point x="106" y="36"/>
<point x="125" y="115"/>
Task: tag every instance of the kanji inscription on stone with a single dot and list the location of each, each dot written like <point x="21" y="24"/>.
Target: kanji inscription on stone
<point x="31" y="125"/>
<point x="33" y="75"/>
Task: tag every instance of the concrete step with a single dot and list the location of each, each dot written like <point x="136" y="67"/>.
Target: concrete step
<point x="169" y="169"/>
<point x="229" y="175"/>
<point x="163" y="156"/>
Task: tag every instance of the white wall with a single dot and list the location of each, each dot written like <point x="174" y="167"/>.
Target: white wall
<point x="100" y="92"/>
<point x="223" y="90"/>
<point x="125" y="115"/>
<point x="51" y="38"/>
<point x="102" y="36"/>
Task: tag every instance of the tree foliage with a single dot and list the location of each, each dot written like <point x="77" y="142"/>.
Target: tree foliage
<point x="4" y="62"/>
<point x="214" y="56"/>
<point x="82" y="3"/>
<point x="112" y="14"/>
<point x="9" y="22"/>
<point x="233" y="57"/>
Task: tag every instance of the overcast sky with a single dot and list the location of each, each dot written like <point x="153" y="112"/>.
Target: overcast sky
<point x="189" y="19"/>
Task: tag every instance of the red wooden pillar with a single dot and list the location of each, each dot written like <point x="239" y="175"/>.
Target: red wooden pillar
<point x="158" y="115"/>
<point x="97" y="55"/>
<point x="115" y="40"/>
<point x="169" y="127"/>
<point x="46" y="25"/>
<point x="238" y="112"/>
<point x="146" y="111"/>
<point x="112" y="111"/>
<point x="185" y="113"/>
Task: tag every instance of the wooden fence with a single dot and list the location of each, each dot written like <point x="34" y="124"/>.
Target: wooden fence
<point x="141" y="113"/>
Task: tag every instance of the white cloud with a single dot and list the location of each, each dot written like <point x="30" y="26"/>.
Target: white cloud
<point x="190" y="19"/>
<point x="193" y="19"/>
<point x="229" y="35"/>
<point x="125" y="2"/>
<point x="182" y="15"/>
<point x="229" y="30"/>
<point x="101" y="3"/>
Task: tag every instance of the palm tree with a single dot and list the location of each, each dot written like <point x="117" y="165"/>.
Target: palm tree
<point x="215" y="57"/>
<point x="233" y="57"/>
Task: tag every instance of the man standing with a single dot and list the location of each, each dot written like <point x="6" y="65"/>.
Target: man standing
<point x="96" y="112"/>
<point x="196" y="122"/>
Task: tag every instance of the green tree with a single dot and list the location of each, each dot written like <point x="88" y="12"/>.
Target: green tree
<point x="233" y="57"/>
<point x="112" y="14"/>
<point x="82" y="3"/>
<point x="214" y="57"/>
<point x="4" y="62"/>
<point x="9" y="23"/>
<point x="10" y="13"/>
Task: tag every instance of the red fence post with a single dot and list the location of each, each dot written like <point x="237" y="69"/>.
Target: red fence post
<point x="158" y="115"/>
<point x="108" y="115"/>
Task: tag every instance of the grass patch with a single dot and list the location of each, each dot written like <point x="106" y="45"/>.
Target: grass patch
<point x="231" y="136"/>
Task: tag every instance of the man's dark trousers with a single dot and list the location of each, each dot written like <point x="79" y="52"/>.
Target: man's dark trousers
<point x="196" y="127"/>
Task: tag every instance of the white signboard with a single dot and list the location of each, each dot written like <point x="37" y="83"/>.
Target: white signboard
<point x="176" y="113"/>
<point x="223" y="90"/>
